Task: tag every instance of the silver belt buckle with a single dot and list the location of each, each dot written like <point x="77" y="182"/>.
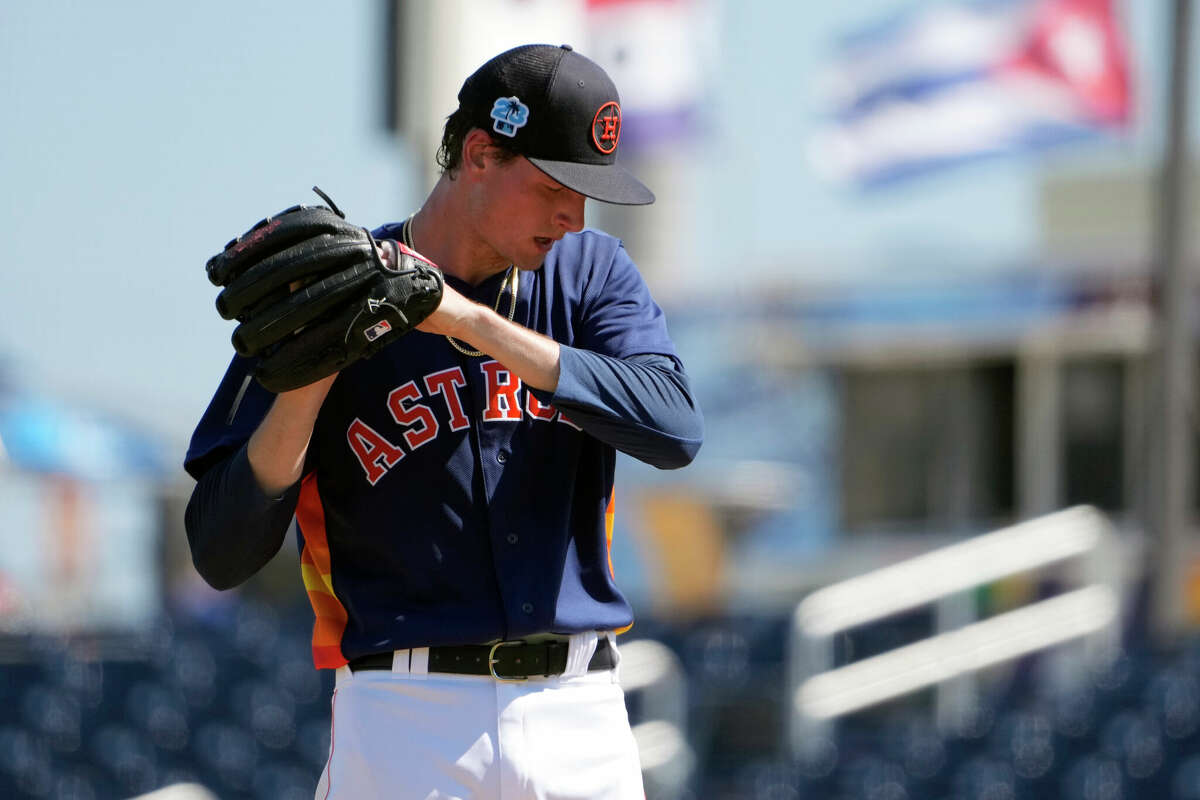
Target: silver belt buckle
<point x="492" y="661"/>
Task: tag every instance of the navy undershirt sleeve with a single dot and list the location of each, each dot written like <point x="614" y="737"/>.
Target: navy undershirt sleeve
<point x="641" y="405"/>
<point x="233" y="528"/>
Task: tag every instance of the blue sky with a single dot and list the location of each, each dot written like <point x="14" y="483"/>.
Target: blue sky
<point x="139" y="136"/>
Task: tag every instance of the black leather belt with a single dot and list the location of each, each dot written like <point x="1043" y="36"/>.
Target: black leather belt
<point x="506" y="661"/>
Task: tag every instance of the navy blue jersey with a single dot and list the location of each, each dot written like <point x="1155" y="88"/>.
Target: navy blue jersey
<point x="443" y="502"/>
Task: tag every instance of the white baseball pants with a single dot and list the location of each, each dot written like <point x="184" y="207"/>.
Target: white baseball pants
<point x="410" y="734"/>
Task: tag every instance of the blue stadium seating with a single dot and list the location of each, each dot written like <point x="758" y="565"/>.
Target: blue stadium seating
<point x="235" y="705"/>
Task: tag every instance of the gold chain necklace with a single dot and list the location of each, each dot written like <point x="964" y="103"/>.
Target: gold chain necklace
<point x="510" y="280"/>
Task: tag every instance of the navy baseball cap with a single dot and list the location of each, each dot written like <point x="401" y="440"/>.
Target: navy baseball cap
<point x="561" y="111"/>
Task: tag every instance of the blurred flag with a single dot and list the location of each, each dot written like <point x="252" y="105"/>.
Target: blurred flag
<point x="967" y="80"/>
<point x="655" y="52"/>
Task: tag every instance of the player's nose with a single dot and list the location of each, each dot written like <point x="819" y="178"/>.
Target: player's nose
<point x="569" y="214"/>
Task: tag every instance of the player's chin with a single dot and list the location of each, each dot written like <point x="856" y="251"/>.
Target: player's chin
<point x="531" y="258"/>
<point x="534" y="255"/>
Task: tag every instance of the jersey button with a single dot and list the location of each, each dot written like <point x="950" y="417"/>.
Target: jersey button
<point x="502" y="457"/>
<point x="512" y="538"/>
<point x="527" y="608"/>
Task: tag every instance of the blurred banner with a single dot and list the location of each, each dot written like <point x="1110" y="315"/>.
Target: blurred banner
<point x="960" y="81"/>
<point x="655" y="51"/>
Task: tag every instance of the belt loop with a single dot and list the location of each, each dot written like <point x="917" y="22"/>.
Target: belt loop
<point x="401" y="661"/>
<point x="612" y="646"/>
<point x="580" y="649"/>
<point x="419" y="662"/>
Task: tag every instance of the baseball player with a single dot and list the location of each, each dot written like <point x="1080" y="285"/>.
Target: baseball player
<point x="453" y="492"/>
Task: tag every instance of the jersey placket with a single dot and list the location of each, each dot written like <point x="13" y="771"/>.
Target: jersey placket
<point x="495" y="452"/>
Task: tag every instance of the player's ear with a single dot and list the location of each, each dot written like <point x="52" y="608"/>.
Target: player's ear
<point x="475" y="150"/>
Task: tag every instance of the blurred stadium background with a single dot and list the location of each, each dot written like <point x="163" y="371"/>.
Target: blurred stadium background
<point x="929" y="264"/>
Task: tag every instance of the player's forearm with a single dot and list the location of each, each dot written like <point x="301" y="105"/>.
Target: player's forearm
<point x="527" y="354"/>
<point x="278" y="446"/>
<point x="233" y="528"/>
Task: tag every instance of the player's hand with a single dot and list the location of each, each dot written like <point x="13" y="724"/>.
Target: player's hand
<point x="387" y="252"/>
<point x="452" y="316"/>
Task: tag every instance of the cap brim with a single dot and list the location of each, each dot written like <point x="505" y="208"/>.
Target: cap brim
<point x="608" y="183"/>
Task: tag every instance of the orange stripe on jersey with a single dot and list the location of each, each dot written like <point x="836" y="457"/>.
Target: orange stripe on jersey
<point x="609" y="513"/>
<point x="608" y="528"/>
<point x="314" y="570"/>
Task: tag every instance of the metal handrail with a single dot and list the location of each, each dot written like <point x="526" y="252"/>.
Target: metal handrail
<point x="652" y="669"/>
<point x="820" y="693"/>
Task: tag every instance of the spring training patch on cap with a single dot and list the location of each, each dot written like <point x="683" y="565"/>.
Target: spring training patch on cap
<point x="606" y="127"/>
<point x="509" y="114"/>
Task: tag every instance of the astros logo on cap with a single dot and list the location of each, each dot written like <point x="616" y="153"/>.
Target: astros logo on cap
<point x="606" y="127"/>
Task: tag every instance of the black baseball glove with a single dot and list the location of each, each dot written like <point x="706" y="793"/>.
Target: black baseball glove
<point x="313" y="295"/>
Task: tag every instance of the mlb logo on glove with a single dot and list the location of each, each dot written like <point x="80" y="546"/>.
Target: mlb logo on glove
<point x="375" y="331"/>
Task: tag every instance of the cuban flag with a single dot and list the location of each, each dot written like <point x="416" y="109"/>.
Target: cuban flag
<point x="962" y="81"/>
